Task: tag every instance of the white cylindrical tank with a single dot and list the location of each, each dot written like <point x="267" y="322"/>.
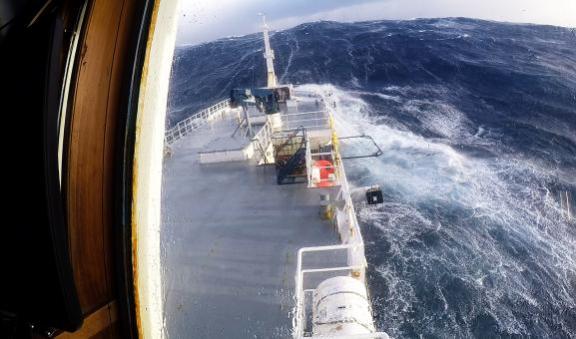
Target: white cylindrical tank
<point x="341" y="307"/>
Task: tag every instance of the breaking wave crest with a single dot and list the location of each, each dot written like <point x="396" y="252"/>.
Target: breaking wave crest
<point x="476" y="120"/>
<point x="464" y="245"/>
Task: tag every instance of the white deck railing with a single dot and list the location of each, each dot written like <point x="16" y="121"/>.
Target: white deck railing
<point x="262" y="140"/>
<point x="301" y="289"/>
<point x="194" y="121"/>
<point x="348" y="228"/>
<point x="312" y="120"/>
<point x="353" y="250"/>
<point x="346" y="220"/>
<point x="308" y="162"/>
<point x="352" y="242"/>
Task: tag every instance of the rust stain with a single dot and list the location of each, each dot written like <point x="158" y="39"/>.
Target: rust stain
<point x="135" y="170"/>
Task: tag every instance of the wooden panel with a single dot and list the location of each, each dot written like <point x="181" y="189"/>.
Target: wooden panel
<point x="97" y="324"/>
<point x="90" y="165"/>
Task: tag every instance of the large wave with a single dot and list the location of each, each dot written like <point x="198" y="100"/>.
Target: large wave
<point x="464" y="245"/>
<point x="477" y="121"/>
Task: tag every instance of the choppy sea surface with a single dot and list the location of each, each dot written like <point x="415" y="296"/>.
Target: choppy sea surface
<point x="477" y="122"/>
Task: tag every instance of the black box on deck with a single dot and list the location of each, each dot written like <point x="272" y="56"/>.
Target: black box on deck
<point x="374" y="196"/>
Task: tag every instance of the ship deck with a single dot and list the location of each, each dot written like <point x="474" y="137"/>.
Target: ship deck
<point x="229" y="240"/>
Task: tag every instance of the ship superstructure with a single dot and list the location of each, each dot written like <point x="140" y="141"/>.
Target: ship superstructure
<point x="260" y="236"/>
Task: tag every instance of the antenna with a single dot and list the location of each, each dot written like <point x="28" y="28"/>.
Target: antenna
<point x="268" y="54"/>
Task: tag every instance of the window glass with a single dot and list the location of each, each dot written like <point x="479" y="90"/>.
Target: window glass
<point x="426" y="150"/>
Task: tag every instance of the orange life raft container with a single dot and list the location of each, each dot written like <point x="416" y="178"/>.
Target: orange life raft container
<point x="326" y="170"/>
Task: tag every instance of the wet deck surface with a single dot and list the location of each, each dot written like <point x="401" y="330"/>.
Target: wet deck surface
<point x="230" y="236"/>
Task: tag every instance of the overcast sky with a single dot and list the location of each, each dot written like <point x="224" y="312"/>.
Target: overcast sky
<point x="207" y="20"/>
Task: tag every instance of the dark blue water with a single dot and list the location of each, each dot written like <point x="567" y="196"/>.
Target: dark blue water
<point x="477" y="121"/>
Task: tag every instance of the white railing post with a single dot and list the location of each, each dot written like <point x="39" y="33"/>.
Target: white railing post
<point x="308" y="162"/>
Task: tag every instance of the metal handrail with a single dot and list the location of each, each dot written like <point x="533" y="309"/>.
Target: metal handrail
<point x="349" y="230"/>
<point x="265" y="136"/>
<point x="300" y="312"/>
<point x="193" y="122"/>
<point x="304" y="113"/>
<point x="311" y="120"/>
<point x="377" y="153"/>
<point x="308" y="162"/>
<point x="306" y="119"/>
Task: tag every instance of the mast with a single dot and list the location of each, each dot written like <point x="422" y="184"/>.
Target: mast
<point x="268" y="55"/>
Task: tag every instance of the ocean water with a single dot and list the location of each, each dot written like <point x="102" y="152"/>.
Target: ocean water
<point x="477" y="121"/>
